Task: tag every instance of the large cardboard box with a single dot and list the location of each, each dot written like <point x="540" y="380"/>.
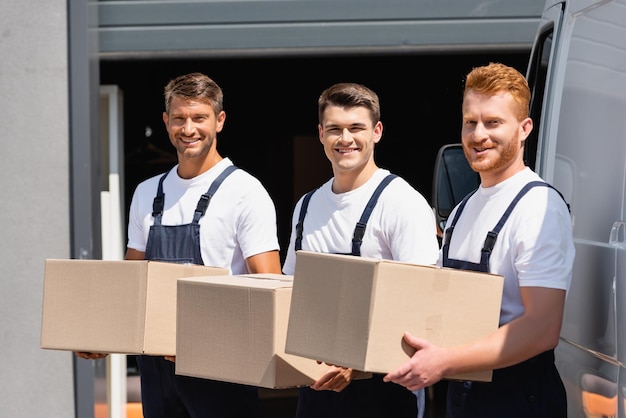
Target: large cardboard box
<point x="233" y="329"/>
<point x="103" y="306"/>
<point x="353" y="311"/>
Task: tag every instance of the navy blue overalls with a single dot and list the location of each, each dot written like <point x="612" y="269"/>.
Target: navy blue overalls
<point x="163" y="393"/>
<point x="530" y="389"/>
<point x="349" y="403"/>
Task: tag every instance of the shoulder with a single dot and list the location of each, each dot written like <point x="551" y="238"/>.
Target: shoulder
<point x="526" y="186"/>
<point x="541" y="191"/>
<point x="244" y="188"/>
<point x="400" y="189"/>
<point x="243" y="178"/>
<point x="543" y="206"/>
<point x="401" y="198"/>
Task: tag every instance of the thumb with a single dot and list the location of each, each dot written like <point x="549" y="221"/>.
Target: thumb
<point x="414" y="341"/>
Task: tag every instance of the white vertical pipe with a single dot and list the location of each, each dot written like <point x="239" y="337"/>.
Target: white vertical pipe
<point x="113" y="225"/>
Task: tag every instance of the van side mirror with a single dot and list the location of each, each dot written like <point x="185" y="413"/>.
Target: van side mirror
<point x="453" y="180"/>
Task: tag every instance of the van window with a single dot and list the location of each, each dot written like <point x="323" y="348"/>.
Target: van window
<point x="536" y="76"/>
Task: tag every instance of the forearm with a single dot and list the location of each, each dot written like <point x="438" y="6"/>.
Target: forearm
<point x="267" y="262"/>
<point x="527" y="336"/>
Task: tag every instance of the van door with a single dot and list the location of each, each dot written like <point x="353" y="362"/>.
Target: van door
<point x="582" y="152"/>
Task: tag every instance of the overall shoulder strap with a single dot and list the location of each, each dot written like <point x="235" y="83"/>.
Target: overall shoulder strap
<point x="492" y="235"/>
<point x="359" y="230"/>
<point x="300" y="224"/>
<point x="205" y="199"/>
<point x="158" y="202"/>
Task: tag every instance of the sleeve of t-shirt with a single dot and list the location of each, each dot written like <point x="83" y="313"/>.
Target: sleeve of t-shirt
<point x="137" y="237"/>
<point x="412" y="227"/>
<point x="289" y="266"/>
<point x="257" y="230"/>
<point x="544" y="246"/>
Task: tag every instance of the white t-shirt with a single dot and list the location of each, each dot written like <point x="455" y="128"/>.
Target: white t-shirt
<point x="240" y="221"/>
<point x="535" y="246"/>
<point x="401" y="226"/>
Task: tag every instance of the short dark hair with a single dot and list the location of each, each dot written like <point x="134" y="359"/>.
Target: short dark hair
<point x="349" y="95"/>
<point x="194" y="86"/>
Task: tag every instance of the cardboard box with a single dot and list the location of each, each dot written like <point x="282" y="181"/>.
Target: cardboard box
<point x="126" y="307"/>
<point x="353" y="311"/>
<point x="233" y="329"/>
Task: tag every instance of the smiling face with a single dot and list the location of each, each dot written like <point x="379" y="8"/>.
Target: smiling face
<point x="493" y="135"/>
<point x="192" y="126"/>
<point x="349" y="136"/>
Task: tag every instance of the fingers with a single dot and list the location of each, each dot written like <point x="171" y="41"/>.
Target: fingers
<point x="398" y="374"/>
<point x="90" y="356"/>
<point x="322" y="382"/>
<point x="407" y="377"/>
<point x="402" y="380"/>
<point x="336" y="379"/>
<point x="340" y="381"/>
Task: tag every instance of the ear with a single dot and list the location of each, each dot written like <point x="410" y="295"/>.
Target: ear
<point x="166" y="119"/>
<point x="221" y="118"/>
<point x="526" y="127"/>
<point x="320" y="132"/>
<point x="378" y="131"/>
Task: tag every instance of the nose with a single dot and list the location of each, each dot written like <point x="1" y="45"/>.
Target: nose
<point x="345" y="135"/>
<point x="187" y="127"/>
<point x="480" y="132"/>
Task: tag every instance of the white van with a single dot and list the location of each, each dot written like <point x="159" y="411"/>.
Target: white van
<point x="577" y="74"/>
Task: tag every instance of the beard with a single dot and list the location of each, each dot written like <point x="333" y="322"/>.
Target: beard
<point x="498" y="157"/>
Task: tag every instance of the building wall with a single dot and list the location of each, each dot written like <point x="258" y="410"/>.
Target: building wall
<point x="34" y="190"/>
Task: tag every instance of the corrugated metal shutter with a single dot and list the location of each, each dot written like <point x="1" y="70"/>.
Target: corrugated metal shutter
<point x="286" y="27"/>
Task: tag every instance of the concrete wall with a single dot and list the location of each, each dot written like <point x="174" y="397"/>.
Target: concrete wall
<point x="34" y="196"/>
